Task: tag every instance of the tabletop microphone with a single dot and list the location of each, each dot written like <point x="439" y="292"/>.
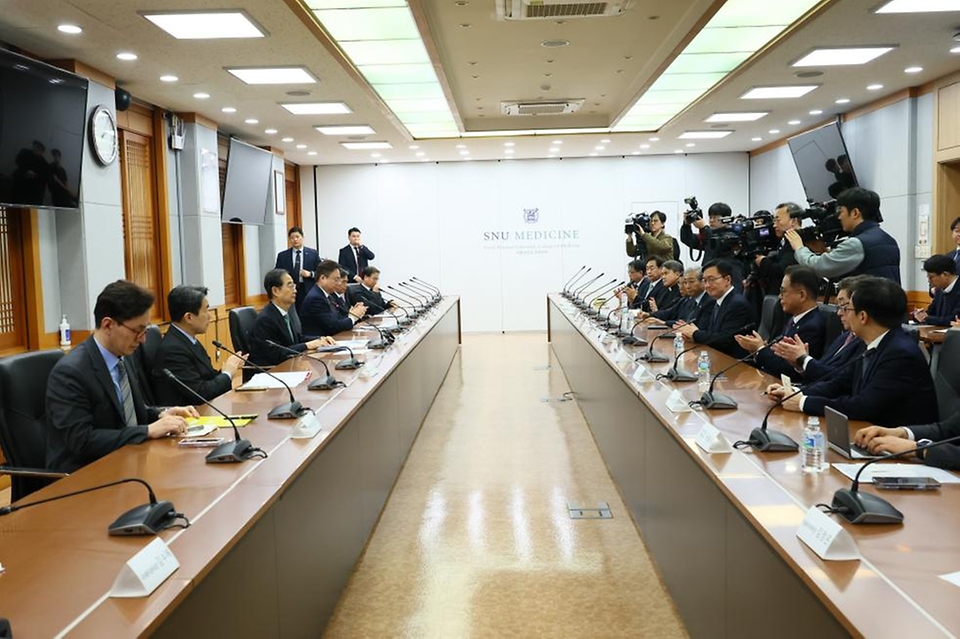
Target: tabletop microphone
<point x="403" y="305"/>
<point x="632" y="340"/>
<point x="384" y="309"/>
<point x="577" y="299"/>
<point x="290" y="410"/>
<point x="718" y="400"/>
<point x="418" y="294"/>
<point x="327" y="382"/>
<point x="148" y="519"/>
<point x="405" y="296"/>
<point x="433" y="294"/>
<point x="866" y="508"/>
<point x="652" y="357"/>
<point x="676" y="374"/>
<point x="384" y="341"/>
<point x="228" y="452"/>
<point x="428" y="285"/>
<point x="568" y="293"/>
<point x="596" y="311"/>
<point x="589" y="298"/>
<point x="563" y="289"/>
<point x="348" y="364"/>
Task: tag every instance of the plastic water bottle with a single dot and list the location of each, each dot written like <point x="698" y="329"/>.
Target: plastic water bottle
<point x="813" y="450"/>
<point x="677" y="344"/>
<point x="703" y="371"/>
<point x="64" y="333"/>
<point x="624" y="313"/>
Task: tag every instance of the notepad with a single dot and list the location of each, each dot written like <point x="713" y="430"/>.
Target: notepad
<point x="262" y="381"/>
<point x="214" y="422"/>
<point x="898" y="470"/>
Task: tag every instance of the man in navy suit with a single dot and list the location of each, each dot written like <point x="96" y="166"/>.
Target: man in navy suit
<point x="275" y="323"/>
<point x="638" y="284"/>
<point x="669" y="290"/>
<point x="731" y="314"/>
<point x="300" y="262"/>
<point x="878" y="439"/>
<point x="354" y="257"/>
<point x="368" y="292"/>
<point x="942" y="276"/>
<point x="891" y="384"/>
<point x="319" y="314"/>
<point x="798" y="298"/>
<point x="688" y="308"/>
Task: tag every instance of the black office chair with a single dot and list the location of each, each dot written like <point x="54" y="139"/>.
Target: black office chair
<point x="946" y="379"/>
<point x="242" y="320"/>
<point x="771" y="317"/>
<point x="23" y="392"/>
<point x="146" y="356"/>
<point x="831" y="321"/>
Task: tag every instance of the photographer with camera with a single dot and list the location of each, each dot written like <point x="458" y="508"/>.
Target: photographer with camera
<point x="867" y="251"/>
<point x="648" y="229"/>
<point x="768" y="269"/>
<point x="704" y="237"/>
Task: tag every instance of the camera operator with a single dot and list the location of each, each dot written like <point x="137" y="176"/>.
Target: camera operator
<point x="867" y="251"/>
<point x="701" y="239"/>
<point x="655" y="240"/>
<point x="768" y="269"/>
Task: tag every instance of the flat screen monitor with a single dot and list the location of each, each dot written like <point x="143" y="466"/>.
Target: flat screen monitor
<point x="823" y="163"/>
<point x="42" y="123"/>
<point x="247" y="189"/>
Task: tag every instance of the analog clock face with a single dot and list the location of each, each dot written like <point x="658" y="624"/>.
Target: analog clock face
<point x="103" y="132"/>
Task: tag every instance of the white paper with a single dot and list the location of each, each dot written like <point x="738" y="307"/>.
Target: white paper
<point x="712" y="440"/>
<point x="145" y="571"/>
<point x="677" y="403"/>
<point x="897" y="470"/>
<point x="262" y="381"/>
<point x="826" y="537"/>
<point x="306" y="427"/>
<point x="953" y="577"/>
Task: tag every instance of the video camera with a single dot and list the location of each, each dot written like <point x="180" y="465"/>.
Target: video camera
<point x="826" y="223"/>
<point x="751" y="235"/>
<point x="693" y="212"/>
<point x="635" y="221"/>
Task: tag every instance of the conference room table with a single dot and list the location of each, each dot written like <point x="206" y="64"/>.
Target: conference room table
<point x="272" y="542"/>
<point x="722" y="528"/>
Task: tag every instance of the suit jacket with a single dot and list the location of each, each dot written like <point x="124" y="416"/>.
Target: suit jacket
<point x="834" y="356"/>
<point x="686" y="309"/>
<point x="718" y="327"/>
<point x="191" y="364"/>
<point x="948" y="455"/>
<point x="642" y="288"/>
<point x="85" y="419"/>
<point x="662" y="295"/>
<point x="771" y="269"/>
<point x="891" y="387"/>
<point x="340" y="304"/>
<point x="310" y="259"/>
<point x="348" y="260"/>
<point x="945" y="306"/>
<point x="270" y="325"/>
<point x="373" y="299"/>
<point x="320" y="317"/>
<point x="811" y="329"/>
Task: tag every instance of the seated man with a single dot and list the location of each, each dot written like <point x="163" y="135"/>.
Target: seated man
<point x="798" y="298"/>
<point x="638" y="284"/>
<point x="185" y="357"/>
<point x="669" y="290"/>
<point x="94" y="403"/>
<point x="891" y="386"/>
<point x="731" y="314"/>
<point x="654" y="266"/>
<point x="846" y="345"/>
<point x="878" y="439"/>
<point x="689" y="308"/>
<point x="339" y="297"/>
<point x="368" y="292"/>
<point x="319" y="312"/>
<point x="274" y="324"/>
<point x="942" y="276"/>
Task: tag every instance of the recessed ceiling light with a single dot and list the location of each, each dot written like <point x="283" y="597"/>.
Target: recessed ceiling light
<point x="604" y="141"/>
<point x="842" y="100"/>
<point x="465" y="152"/>
<point x="599" y="147"/>
<point x="508" y="150"/>
<point x="316" y="108"/>
<point x="286" y="139"/>
<point x="678" y="151"/>
<point x="635" y="153"/>
<point x="168" y="78"/>
<point x="554" y="149"/>
<point x="413" y="146"/>
<point x="554" y="44"/>
<point x="755" y="139"/>
<point x="360" y="146"/>
<point x="420" y="154"/>
<point x="691" y="144"/>
<point x="461" y="146"/>
<point x="72" y="29"/>
<point x="311" y="152"/>
<point x="737" y="116"/>
<point x="252" y="121"/>
<point x="593" y="155"/>
<point x="773" y="131"/>
<point x="551" y="156"/>
<point x="955" y="50"/>
<point x="375" y="155"/>
<point x="274" y="75"/>
<point x="841" y="56"/>
<point x="269" y="131"/>
<point x="644" y="146"/>
<point x="126" y="56"/>
<point x="228" y="110"/>
<point x="919" y="6"/>
<point x="704" y="135"/>
<point x="509" y="143"/>
<point x="816" y="112"/>
<point x="301" y="146"/>
<point x="201" y="96"/>
<point x="654" y="139"/>
<point x="913" y="70"/>
<point x="557" y="142"/>
<point x="793" y="122"/>
<point x="203" y="25"/>
<point x="346" y="130"/>
<point x="779" y="92"/>
<point x="874" y="87"/>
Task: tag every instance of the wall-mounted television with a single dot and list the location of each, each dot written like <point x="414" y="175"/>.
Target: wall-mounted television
<point x="246" y="192"/>
<point x="43" y="112"/>
<point x="823" y="162"/>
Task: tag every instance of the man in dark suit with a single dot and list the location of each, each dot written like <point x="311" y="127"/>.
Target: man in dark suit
<point x="300" y="262"/>
<point x="653" y="268"/>
<point x="368" y="292"/>
<point x="731" y="314"/>
<point x="274" y="323"/>
<point x="878" y="439"/>
<point x="185" y="357"/>
<point x="94" y="403"/>
<point x="668" y="291"/>
<point x="319" y="312"/>
<point x="340" y="292"/>
<point x="798" y="298"/>
<point x="688" y="308"/>
<point x="942" y="276"/>
<point x="354" y="257"/>
<point x="891" y="385"/>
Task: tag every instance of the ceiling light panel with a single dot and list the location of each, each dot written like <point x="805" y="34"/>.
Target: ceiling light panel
<point x="361" y="146"/>
<point x="423" y="90"/>
<point x="708" y="62"/>
<point x="760" y="13"/>
<point x="732" y="39"/>
<point x="739" y="116"/>
<point x="346" y="130"/>
<point x="398" y="73"/>
<point x="274" y="75"/>
<point x="316" y="108"/>
<point x="381" y="51"/>
<point x="369" y="24"/>
<point x="781" y="92"/>
<point x="704" y="135"/>
<point x="206" y="25"/>
<point x="919" y="6"/>
<point x="353" y="4"/>
<point x="841" y="56"/>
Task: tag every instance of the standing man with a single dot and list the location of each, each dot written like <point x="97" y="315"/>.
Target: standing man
<point x="320" y="315"/>
<point x="355" y="257"/>
<point x="769" y="269"/>
<point x="300" y="262"/>
<point x="730" y="315"/>
<point x="942" y="276"/>
<point x="274" y="323"/>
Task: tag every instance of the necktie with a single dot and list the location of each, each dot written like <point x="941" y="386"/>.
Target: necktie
<point x="356" y="256"/>
<point x="715" y="318"/>
<point x="286" y="320"/>
<point x="869" y="355"/>
<point x="789" y="328"/>
<point x="850" y="337"/>
<point x="296" y="266"/>
<point x="126" y="395"/>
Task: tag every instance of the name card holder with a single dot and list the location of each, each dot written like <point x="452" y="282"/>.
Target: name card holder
<point x="145" y="571"/>
<point x="711" y="440"/>
<point x="642" y="374"/>
<point x="306" y="427"/>
<point x="828" y="539"/>
<point x="677" y="403"/>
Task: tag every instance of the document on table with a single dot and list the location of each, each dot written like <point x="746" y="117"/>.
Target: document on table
<point x="898" y="470"/>
<point x="262" y="381"/>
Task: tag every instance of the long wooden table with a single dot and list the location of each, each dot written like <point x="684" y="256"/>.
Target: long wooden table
<point x="722" y="528"/>
<point x="272" y="542"/>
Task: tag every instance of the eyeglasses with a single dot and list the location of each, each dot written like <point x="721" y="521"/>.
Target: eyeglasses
<point x="139" y="332"/>
<point x="717" y="278"/>
<point x="843" y="308"/>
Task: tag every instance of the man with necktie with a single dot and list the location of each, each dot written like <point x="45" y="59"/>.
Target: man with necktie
<point x="368" y="292"/>
<point x="300" y="262"/>
<point x="94" y="402"/>
<point x="689" y="308"/>
<point x="183" y="355"/>
<point x="354" y="257"/>
<point x="731" y="314"/>
<point x="942" y="277"/>
<point x="320" y="315"/>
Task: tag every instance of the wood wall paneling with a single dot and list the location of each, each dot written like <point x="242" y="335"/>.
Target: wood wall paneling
<point x="13" y="307"/>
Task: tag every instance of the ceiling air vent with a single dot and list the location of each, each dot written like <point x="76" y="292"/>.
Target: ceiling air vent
<point x="553" y="9"/>
<point x="540" y="107"/>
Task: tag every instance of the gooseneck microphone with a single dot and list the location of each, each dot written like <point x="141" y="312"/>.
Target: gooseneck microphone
<point x="607" y="290"/>
<point x="428" y="285"/>
<point x="290" y="410"/>
<point x="589" y="298"/>
<point x="228" y="452"/>
<point x="432" y="295"/>
<point x="385" y="339"/>
<point x="677" y="374"/>
<point x="710" y="399"/>
<point x="419" y="308"/>
<point x="148" y="519"/>
<point x="866" y="508"/>
<point x="652" y="357"/>
<point x="575" y="283"/>
<point x="563" y="289"/>
<point x="348" y="364"/>
<point x="577" y="299"/>
<point x="384" y="309"/>
<point x="327" y="382"/>
<point x="418" y="294"/>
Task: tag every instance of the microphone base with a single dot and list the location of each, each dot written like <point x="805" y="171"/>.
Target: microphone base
<point x="230" y="452"/>
<point x="772" y="441"/>
<point x="327" y="382"/>
<point x="717" y="401"/>
<point x="291" y="410"/>
<point x="653" y="358"/>
<point x="593" y="312"/>
<point x="632" y="340"/>
<point x="349" y="364"/>
<point x="148" y="519"/>
<point x="680" y="375"/>
<point x="864" y="508"/>
<point x="377" y="345"/>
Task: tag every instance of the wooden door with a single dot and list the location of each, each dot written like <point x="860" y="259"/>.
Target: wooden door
<point x="13" y="305"/>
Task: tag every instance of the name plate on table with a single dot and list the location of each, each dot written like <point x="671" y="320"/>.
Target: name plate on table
<point x="711" y="440"/>
<point x="306" y="427"/>
<point x="642" y="374"/>
<point x="677" y="403"/>
<point x="826" y="537"/>
<point x="145" y="571"/>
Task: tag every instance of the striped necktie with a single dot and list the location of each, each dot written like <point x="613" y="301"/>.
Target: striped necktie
<point x="126" y="395"/>
<point x="286" y="320"/>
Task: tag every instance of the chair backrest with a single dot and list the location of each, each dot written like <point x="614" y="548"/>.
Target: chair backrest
<point x="23" y="393"/>
<point x="242" y="320"/>
<point x="946" y="379"/>
<point x="770" y="312"/>
<point x="831" y="322"/>
<point x="146" y="355"/>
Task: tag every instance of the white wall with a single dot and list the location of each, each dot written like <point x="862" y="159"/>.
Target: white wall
<point x="429" y="221"/>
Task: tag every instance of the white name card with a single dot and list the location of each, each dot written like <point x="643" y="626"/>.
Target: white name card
<point x="711" y="440"/>
<point x="306" y="427"/>
<point x="145" y="571"/>
<point x="641" y="374"/>
<point x="826" y="537"/>
<point x="623" y="357"/>
<point x="677" y="403"/>
<point x="953" y="578"/>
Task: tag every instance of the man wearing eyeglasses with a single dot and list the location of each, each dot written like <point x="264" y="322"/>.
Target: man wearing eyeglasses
<point x="94" y="402"/>
<point x="731" y="314"/>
